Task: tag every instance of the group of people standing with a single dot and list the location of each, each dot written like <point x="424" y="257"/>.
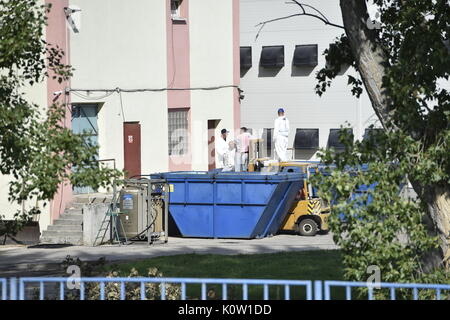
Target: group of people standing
<point x="233" y="154"/>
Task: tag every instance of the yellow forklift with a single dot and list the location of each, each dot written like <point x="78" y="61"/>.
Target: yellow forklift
<point x="309" y="213"/>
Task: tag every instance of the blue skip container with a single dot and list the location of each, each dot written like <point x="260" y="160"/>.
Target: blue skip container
<point x="241" y="205"/>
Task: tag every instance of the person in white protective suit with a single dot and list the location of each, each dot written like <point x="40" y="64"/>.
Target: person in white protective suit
<point x="281" y="136"/>
<point x="224" y="152"/>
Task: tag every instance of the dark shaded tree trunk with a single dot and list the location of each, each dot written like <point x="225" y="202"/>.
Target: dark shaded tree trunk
<point x="437" y="199"/>
<point x="371" y="62"/>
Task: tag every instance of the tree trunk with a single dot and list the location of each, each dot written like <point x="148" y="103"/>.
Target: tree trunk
<point x="368" y="55"/>
<point x="371" y="62"/>
<point x="437" y="199"/>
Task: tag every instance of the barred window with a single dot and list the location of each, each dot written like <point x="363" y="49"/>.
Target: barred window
<point x="178" y="132"/>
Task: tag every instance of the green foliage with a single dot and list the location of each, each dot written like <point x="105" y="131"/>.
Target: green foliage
<point x="338" y="56"/>
<point x="36" y="148"/>
<point x="386" y="231"/>
<point x="390" y="231"/>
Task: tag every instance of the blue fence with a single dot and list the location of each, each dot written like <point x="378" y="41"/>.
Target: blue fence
<point x="4" y="289"/>
<point x="437" y="289"/>
<point x="182" y="284"/>
<point x="58" y="288"/>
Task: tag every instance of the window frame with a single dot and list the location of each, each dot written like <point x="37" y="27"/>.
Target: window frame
<point x="171" y="127"/>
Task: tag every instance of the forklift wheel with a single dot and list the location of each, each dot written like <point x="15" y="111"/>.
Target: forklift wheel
<point x="307" y="227"/>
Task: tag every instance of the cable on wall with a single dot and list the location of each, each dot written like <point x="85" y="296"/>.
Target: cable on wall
<point x="77" y="91"/>
<point x="109" y="92"/>
<point x="88" y="97"/>
<point x="121" y="105"/>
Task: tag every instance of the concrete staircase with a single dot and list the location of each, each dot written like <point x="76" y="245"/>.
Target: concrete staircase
<point x="68" y="228"/>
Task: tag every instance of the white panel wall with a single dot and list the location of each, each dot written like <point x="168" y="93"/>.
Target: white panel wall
<point x="211" y="55"/>
<point x="294" y="89"/>
<point x="123" y="44"/>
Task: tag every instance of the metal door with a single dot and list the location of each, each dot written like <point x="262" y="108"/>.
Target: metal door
<point x="132" y="148"/>
<point x="84" y="119"/>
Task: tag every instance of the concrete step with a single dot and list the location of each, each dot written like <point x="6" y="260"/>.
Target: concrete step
<point x="73" y="211"/>
<point x="71" y="216"/>
<point x="59" y="233"/>
<point x="61" y="240"/>
<point x="62" y="237"/>
<point x="75" y="206"/>
<point x="67" y="222"/>
<point x="62" y="227"/>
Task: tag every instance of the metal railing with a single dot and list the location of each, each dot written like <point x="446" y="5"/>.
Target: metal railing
<point x="4" y="288"/>
<point x="309" y="290"/>
<point x="182" y="282"/>
<point x="414" y="287"/>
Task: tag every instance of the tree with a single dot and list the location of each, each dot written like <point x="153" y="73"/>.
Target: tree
<point x="400" y="67"/>
<point x="402" y="63"/>
<point x="36" y="148"/>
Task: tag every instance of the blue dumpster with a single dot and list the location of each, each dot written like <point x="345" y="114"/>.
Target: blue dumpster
<point x="231" y="204"/>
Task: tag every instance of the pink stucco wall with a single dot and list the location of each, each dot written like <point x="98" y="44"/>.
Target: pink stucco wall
<point x="178" y="74"/>
<point x="236" y="64"/>
<point x="58" y="34"/>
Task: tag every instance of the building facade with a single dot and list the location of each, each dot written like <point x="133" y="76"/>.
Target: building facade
<point x="278" y="68"/>
<point x="154" y="83"/>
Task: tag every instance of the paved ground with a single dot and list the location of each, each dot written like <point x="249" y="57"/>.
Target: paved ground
<point x="20" y="254"/>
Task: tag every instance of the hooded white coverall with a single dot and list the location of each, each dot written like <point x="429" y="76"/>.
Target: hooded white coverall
<point x="280" y="137"/>
<point x="222" y="152"/>
<point x="225" y="154"/>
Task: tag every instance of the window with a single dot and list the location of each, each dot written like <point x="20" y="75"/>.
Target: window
<point x="178" y="132"/>
<point x="272" y="57"/>
<point x="246" y="57"/>
<point x="306" y="139"/>
<point x="333" y="138"/>
<point x="305" y="55"/>
<point x="175" y="7"/>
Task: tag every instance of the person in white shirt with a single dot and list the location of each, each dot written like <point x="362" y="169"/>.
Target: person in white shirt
<point x="281" y="136"/>
<point x="223" y="150"/>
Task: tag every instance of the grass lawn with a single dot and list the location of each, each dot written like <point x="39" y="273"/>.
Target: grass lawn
<point x="306" y="265"/>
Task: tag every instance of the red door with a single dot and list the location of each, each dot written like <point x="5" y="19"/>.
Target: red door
<point x="132" y="148"/>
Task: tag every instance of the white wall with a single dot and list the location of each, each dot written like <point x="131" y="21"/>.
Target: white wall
<point x="304" y="109"/>
<point x="123" y="44"/>
<point x="36" y="94"/>
<point x="211" y="56"/>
